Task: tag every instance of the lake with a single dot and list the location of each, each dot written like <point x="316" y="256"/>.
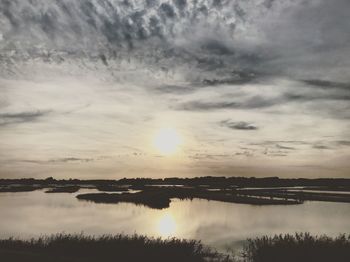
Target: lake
<point x="218" y="224"/>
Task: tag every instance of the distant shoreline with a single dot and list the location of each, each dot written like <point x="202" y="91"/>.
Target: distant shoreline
<point x="157" y="193"/>
<point x="209" y="180"/>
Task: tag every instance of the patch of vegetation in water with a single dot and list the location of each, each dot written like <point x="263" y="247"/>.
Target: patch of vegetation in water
<point x="19" y="188"/>
<point x="297" y="195"/>
<point x="112" y="188"/>
<point x="63" y="189"/>
<point x="160" y="197"/>
<point x="152" y="199"/>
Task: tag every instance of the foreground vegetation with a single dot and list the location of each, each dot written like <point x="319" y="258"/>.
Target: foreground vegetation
<point x="298" y="248"/>
<point x="78" y="248"/>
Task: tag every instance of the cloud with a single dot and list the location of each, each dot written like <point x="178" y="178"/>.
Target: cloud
<point x="204" y="156"/>
<point x="274" y="37"/>
<point x="324" y="84"/>
<point x="291" y="97"/>
<point x="276" y="143"/>
<point x="269" y="95"/>
<point x="320" y="146"/>
<point x="57" y="160"/>
<point x="343" y="142"/>
<point x="71" y="160"/>
<point x="22" y="117"/>
<point x="167" y="11"/>
<point x="285" y="147"/>
<point x="237" y="78"/>
<point x="204" y="106"/>
<point x="238" y="125"/>
<point x="279" y="66"/>
<point x="253" y="102"/>
<point x="175" y="89"/>
<point x="180" y="4"/>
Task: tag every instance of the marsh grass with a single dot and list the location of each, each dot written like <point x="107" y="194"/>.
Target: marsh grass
<point x="66" y="247"/>
<point x="300" y="247"/>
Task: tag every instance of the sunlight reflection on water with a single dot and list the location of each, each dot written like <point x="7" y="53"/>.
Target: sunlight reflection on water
<point x="166" y="225"/>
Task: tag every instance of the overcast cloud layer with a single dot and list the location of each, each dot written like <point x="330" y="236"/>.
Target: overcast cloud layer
<point x="255" y="87"/>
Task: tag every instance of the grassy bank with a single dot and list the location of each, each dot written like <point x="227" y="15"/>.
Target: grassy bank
<point x="79" y="248"/>
<point x="298" y="248"/>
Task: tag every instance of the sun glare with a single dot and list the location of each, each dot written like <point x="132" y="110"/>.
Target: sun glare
<point x="167" y="225"/>
<point x="167" y="141"/>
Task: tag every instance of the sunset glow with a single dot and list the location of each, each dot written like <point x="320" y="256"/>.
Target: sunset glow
<point x="167" y="141"/>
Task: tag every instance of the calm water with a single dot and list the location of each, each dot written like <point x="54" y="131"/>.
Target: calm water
<point x="215" y="223"/>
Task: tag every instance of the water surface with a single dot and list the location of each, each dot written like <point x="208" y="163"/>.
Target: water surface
<point x="219" y="224"/>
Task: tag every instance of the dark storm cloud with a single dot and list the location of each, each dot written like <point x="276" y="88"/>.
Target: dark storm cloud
<point x="22" y="117"/>
<point x="238" y="125"/>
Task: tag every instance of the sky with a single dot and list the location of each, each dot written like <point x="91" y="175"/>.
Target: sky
<point x="164" y="88"/>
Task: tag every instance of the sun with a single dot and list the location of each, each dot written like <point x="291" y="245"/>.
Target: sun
<point x="167" y="141"/>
